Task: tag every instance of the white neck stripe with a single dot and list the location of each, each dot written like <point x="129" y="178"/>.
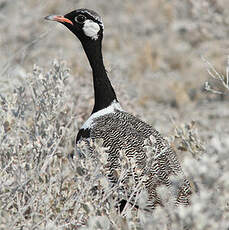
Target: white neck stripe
<point x="110" y="109"/>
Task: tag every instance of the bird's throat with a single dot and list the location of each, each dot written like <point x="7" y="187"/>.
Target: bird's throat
<point x="103" y="90"/>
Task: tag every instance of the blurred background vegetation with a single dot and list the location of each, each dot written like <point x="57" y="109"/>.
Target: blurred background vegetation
<point x="155" y="52"/>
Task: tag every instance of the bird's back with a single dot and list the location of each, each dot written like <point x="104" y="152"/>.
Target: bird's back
<point x="124" y="133"/>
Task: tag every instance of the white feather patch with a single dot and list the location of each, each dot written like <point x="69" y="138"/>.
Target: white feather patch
<point x="91" y="29"/>
<point x="110" y="109"/>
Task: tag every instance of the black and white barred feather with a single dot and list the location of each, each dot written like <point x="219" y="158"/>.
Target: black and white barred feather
<point x="123" y="132"/>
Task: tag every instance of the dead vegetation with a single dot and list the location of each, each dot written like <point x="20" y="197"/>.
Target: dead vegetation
<point x="153" y="53"/>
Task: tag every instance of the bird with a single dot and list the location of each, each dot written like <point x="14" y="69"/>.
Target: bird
<point x="121" y="131"/>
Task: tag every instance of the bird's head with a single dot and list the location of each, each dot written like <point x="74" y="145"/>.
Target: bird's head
<point x="85" y="24"/>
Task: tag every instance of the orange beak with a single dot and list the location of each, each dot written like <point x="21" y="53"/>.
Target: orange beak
<point x="58" y="19"/>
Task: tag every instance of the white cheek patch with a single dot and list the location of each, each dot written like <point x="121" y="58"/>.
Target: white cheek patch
<point x="91" y="29"/>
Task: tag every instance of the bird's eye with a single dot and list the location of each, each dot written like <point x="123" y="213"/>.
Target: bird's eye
<point x="80" y="18"/>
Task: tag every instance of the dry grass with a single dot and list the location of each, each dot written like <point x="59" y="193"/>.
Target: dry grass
<point x="153" y="54"/>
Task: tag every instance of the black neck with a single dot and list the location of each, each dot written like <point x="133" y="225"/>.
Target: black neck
<point x="103" y="90"/>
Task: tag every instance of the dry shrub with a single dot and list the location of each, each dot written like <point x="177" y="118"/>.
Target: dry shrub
<point x="41" y="186"/>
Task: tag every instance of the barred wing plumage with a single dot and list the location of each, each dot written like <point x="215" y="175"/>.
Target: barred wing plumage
<point x="123" y="132"/>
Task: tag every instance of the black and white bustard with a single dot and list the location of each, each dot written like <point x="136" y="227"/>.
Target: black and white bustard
<point x="120" y="130"/>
